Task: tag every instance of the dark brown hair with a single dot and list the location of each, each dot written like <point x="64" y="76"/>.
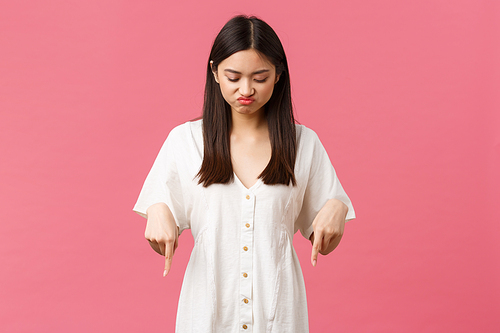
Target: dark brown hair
<point x="238" y="34"/>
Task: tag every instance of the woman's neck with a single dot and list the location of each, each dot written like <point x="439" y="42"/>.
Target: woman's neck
<point x="248" y="124"/>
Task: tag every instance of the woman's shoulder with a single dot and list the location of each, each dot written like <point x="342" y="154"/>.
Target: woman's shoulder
<point x="305" y="135"/>
<point x="195" y="125"/>
<point x="186" y="129"/>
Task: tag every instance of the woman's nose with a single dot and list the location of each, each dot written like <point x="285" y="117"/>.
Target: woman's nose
<point x="246" y="88"/>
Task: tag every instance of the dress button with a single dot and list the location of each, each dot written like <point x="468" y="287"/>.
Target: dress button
<point x="248" y="197"/>
<point x="245" y="248"/>
<point x="245" y="274"/>
<point x="247" y="225"/>
<point x="245" y="300"/>
<point x="245" y="327"/>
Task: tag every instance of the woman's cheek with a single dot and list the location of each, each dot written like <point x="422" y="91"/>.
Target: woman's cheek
<point x="269" y="91"/>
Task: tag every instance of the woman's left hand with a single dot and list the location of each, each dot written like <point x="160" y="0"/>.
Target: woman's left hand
<point x="328" y="228"/>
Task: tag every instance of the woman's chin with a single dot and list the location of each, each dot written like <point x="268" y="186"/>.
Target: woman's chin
<point x="246" y="110"/>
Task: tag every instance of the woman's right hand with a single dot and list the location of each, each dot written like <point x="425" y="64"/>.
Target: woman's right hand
<point x="162" y="232"/>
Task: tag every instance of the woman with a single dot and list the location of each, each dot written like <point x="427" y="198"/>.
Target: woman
<point x="244" y="179"/>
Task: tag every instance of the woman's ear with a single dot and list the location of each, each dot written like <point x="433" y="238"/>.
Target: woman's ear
<point x="277" y="78"/>
<point x="214" y="72"/>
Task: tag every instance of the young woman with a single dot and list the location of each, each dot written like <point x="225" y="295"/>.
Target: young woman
<point x="244" y="179"/>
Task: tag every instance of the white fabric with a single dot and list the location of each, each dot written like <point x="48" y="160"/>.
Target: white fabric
<point x="226" y="219"/>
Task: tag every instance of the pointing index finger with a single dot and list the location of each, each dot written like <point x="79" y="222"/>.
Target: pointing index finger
<point x="169" y="252"/>
<point x="315" y="249"/>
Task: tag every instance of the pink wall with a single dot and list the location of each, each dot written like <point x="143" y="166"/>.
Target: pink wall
<point x="404" y="95"/>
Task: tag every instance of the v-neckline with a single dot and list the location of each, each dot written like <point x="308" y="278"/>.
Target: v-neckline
<point x="255" y="185"/>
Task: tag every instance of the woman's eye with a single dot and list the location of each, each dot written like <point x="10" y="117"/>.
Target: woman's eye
<point x="259" y="81"/>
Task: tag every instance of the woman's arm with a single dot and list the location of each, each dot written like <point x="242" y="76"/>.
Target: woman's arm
<point x="162" y="232"/>
<point x="328" y="228"/>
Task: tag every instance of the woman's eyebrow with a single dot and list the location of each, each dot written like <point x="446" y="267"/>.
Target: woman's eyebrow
<point x="236" y="72"/>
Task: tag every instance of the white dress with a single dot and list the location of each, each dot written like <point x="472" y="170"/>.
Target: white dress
<point x="243" y="274"/>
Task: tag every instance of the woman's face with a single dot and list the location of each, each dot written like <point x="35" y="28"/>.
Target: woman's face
<point x="246" y="81"/>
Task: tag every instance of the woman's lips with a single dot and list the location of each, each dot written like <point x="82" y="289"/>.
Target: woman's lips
<point x="245" y="101"/>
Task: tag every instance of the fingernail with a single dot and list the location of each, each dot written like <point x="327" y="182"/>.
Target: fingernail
<point x="314" y="262"/>
<point x="164" y="273"/>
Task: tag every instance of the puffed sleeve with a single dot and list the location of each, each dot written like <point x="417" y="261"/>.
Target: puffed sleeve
<point x="322" y="185"/>
<point x="163" y="183"/>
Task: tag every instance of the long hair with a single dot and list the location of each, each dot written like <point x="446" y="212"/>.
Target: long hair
<point x="238" y="34"/>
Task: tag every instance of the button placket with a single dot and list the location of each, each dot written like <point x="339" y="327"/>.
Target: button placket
<point x="246" y="259"/>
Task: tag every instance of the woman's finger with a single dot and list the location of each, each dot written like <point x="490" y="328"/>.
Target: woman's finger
<point x="327" y="239"/>
<point x="316" y="247"/>
<point x="155" y="246"/>
<point x="169" y="253"/>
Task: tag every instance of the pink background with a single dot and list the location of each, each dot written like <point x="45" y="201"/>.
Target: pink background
<point x="403" y="94"/>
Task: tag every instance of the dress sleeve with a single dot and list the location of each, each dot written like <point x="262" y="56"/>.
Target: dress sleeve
<point x="163" y="183"/>
<point x="322" y="185"/>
